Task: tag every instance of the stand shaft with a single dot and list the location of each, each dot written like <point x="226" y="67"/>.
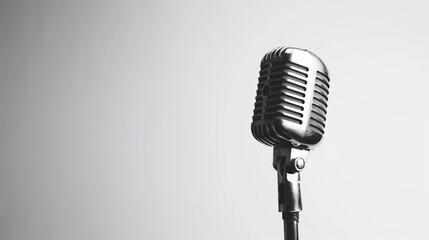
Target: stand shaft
<point x="290" y="223"/>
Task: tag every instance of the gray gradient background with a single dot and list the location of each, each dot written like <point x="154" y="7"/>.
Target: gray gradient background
<point x="131" y="120"/>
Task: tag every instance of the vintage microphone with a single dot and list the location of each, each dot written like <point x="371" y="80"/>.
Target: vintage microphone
<point x="289" y="115"/>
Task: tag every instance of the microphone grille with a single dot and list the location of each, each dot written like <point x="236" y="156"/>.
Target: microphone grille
<point x="291" y="98"/>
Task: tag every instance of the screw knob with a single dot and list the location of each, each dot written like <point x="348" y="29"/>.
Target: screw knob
<point x="299" y="164"/>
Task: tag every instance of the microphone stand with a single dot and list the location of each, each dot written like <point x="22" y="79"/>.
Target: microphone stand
<point x="289" y="162"/>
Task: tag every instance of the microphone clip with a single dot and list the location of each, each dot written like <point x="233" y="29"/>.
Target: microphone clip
<point x="289" y="162"/>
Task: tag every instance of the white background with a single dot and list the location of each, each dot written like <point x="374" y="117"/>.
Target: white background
<point x="131" y="120"/>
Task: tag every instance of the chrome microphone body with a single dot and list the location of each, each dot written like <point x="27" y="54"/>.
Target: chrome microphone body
<point x="289" y="115"/>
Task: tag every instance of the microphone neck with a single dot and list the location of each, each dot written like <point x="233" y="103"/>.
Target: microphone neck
<point x="289" y="162"/>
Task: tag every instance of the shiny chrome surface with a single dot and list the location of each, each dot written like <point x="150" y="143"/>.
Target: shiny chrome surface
<point x="292" y="96"/>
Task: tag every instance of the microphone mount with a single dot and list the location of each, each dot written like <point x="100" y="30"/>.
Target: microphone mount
<point x="289" y="162"/>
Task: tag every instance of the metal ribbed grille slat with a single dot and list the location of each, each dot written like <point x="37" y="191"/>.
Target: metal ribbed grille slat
<point x="320" y="103"/>
<point x="284" y="83"/>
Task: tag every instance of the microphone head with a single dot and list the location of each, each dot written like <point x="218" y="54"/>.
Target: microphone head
<point x="291" y="99"/>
